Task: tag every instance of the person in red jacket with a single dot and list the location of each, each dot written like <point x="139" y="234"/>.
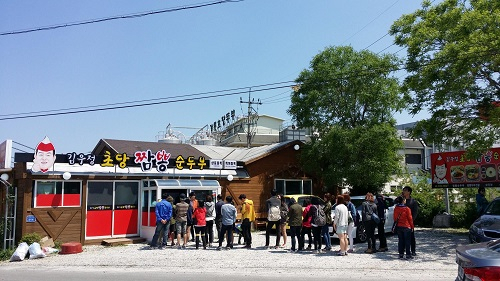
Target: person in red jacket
<point x="404" y="227"/>
<point x="200" y="224"/>
<point x="306" y="226"/>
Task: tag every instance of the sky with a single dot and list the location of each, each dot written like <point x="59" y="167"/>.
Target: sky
<point x="192" y="66"/>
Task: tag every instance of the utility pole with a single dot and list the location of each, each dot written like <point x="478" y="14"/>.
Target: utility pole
<point x="250" y="119"/>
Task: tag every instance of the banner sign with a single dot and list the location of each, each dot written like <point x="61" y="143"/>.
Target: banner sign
<point x="454" y="170"/>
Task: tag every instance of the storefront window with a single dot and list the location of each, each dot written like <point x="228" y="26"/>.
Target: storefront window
<point x="57" y="194"/>
<point x="290" y="186"/>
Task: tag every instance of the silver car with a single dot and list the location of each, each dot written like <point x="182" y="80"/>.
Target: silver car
<point x="479" y="261"/>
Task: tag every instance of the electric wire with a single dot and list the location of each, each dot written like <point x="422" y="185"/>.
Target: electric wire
<point x="129" y="16"/>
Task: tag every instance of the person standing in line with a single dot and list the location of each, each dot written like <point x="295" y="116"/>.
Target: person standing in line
<point x="404" y="227"/>
<point x="228" y="213"/>
<point x="306" y="226"/>
<point x="284" y="217"/>
<point x="163" y="212"/>
<point x="210" y="216"/>
<point x="181" y="212"/>
<point x="194" y="204"/>
<point x="381" y="211"/>
<point x="295" y="223"/>
<point x="325" y="232"/>
<point x="189" y="221"/>
<point x="481" y="201"/>
<point x="352" y="220"/>
<point x="248" y="217"/>
<point x="200" y="227"/>
<point x="369" y="207"/>
<point x="273" y="218"/>
<point x="172" y="231"/>
<point x="413" y="205"/>
<point x="218" y="216"/>
<point x="316" y="228"/>
<point x="340" y="224"/>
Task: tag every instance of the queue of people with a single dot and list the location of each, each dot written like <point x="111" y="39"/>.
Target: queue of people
<point x="312" y="219"/>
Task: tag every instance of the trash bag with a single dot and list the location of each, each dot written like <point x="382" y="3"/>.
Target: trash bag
<point x="20" y="253"/>
<point x="36" y="251"/>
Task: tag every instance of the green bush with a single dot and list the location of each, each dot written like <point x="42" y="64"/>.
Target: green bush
<point x="463" y="214"/>
<point x="6" y="254"/>
<point x="29" y="238"/>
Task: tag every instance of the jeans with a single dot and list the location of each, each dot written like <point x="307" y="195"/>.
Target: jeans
<point x="269" y="227"/>
<point x="381" y="234"/>
<point x="229" y="230"/>
<point x="413" y="242"/>
<point x="246" y="226"/>
<point x="295" y="233"/>
<point x="404" y="241"/>
<point x="326" y="236"/>
<point x="159" y="228"/>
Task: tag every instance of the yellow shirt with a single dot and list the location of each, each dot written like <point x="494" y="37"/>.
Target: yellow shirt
<point x="247" y="210"/>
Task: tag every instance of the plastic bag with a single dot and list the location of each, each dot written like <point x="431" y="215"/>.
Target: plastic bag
<point x="20" y="252"/>
<point x="36" y="251"/>
<point x="50" y="250"/>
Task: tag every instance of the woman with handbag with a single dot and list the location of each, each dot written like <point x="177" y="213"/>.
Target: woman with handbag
<point x="404" y="227"/>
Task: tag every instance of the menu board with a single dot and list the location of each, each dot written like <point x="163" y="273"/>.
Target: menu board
<point x="455" y="170"/>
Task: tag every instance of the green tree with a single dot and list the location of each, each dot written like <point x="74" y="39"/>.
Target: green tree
<point x="349" y="98"/>
<point x="454" y="71"/>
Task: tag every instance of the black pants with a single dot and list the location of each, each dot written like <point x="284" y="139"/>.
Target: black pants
<point x="370" y="233"/>
<point x="246" y="227"/>
<point x="229" y="230"/>
<point x="316" y="230"/>
<point x="210" y="231"/>
<point x="295" y="234"/>
<point x="381" y="234"/>
<point x="303" y="232"/>
<point x="413" y="242"/>
<point x="218" y="225"/>
<point x="269" y="227"/>
<point x="200" y="235"/>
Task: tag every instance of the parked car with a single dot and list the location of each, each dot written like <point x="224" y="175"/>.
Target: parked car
<point x="479" y="261"/>
<point x="487" y="227"/>
<point x="300" y="198"/>
<point x="359" y="231"/>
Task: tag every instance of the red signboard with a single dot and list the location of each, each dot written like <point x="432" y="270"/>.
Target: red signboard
<point x="454" y="170"/>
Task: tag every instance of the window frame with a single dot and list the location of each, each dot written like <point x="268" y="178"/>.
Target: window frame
<point x="37" y="186"/>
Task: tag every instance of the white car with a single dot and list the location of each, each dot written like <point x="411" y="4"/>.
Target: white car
<point x="359" y="231"/>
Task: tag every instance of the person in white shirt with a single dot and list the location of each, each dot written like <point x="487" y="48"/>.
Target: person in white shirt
<point x="340" y="223"/>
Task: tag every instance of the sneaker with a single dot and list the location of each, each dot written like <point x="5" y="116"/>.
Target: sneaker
<point x="369" y="251"/>
<point x="183" y="247"/>
<point x="401" y="257"/>
<point x="341" y="254"/>
<point x="327" y="248"/>
<point x="384" y="249"/>
<point x="309" y="247"/>
<point x="228" y="248"/>
<point x="151" y="247"/>
<point x="219" y="248"/>
<point x="350" y="251"/>
<point x="409" y="257"/>
<point x="293" y="251"/>
<point x="413" y="254"/>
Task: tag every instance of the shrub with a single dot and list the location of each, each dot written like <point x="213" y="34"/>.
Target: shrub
<point x="29" y="238"/>
<point x="6" y="254"/>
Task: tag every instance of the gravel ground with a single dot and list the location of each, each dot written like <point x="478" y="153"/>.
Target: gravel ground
<point x="435" y="260"/>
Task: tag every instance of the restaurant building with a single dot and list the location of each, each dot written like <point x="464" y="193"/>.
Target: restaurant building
<point x="111" y="192"/>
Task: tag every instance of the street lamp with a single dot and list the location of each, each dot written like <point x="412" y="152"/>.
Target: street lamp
<point x="66" y="175"/>
<point x="229" y="177"/>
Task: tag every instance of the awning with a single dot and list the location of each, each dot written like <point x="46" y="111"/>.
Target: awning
<point x="186" y="183"/>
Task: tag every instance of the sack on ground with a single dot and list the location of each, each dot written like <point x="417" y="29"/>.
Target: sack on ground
<point x="274" y="213"/>
<point x="320" y="217"/>
<point x="36" y="251"/>
<point x="375" y="218"/>
<point x="20" y="253"/>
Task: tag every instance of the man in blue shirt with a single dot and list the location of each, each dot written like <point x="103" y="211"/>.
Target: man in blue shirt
<point x="163" y="211"/>
<point x="228" y="214"/>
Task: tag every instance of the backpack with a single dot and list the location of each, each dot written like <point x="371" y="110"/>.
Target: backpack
<point x="274" y="213"/>
<point x="284" y="213"/>
<point x="319" y="218"/>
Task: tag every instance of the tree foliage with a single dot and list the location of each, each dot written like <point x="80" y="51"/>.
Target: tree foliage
<point x="453" y="63"/>
<point x="349" y="98"/>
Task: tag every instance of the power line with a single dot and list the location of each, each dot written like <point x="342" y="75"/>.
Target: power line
<point x="129" y="16"/>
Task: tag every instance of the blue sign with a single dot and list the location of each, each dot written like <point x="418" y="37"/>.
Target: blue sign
<point x="30" y="218"/>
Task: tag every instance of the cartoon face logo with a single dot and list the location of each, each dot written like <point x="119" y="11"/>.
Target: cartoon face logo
<point x="45" y="156"/>
<point x="440" y="171"/>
